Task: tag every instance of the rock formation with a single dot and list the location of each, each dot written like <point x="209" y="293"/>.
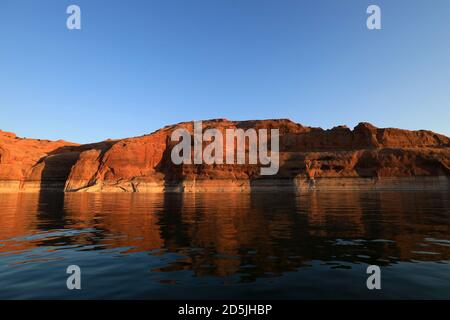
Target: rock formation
<point x="310" y="158"/>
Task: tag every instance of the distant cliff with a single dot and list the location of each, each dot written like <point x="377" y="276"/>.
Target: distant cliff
<point x="310" y="158"/>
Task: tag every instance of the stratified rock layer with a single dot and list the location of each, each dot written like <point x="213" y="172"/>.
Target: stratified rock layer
<point x="310" y="158"/>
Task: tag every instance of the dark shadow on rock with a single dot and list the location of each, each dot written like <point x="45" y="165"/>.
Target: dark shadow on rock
<point x="284" y="179"/>
<point x="173" y="174"/>
<point x="57" y="167"/>
<point x="58" y="164"/>
<point x="367" y="166"/>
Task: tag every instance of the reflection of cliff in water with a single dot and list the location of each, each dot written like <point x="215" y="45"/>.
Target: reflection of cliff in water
<point x="250" y="235"/>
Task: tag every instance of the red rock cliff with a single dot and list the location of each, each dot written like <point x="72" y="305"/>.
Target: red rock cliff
<point x="365" y="157"/>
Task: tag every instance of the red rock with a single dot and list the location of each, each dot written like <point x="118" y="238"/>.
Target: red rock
<point x="366" y="157"/>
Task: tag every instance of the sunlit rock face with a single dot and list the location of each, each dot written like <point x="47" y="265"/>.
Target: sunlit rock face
<point x="310" y="158"/>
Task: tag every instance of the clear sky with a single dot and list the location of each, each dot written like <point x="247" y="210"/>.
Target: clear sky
<point x="136" y="66"/>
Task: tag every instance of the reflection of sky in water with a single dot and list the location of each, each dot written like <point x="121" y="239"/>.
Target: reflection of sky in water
<point x="220" y="245"/>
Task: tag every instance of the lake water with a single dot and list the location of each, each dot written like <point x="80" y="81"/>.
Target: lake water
<point x="229" y="246"/>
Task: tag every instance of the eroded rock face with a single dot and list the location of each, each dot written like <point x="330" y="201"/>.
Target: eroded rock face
<point x="365" y="157"/>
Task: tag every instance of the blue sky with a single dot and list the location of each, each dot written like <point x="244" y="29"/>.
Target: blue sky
<point x="136" y="66"/>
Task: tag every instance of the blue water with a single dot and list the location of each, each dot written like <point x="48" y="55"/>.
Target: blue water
<point x="205" y="246"/>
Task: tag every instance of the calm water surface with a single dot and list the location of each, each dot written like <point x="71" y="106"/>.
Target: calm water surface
<point x="189" y="246"/>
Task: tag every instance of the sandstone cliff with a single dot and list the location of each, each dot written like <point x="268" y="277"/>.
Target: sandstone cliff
<point x="310" y="158"/>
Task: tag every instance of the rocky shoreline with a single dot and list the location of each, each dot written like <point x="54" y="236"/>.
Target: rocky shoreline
<point x="440" y="183"/>
<point x="365" y="158"/>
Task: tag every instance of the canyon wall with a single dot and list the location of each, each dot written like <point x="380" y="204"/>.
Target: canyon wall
<point x="310" y="158"/>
